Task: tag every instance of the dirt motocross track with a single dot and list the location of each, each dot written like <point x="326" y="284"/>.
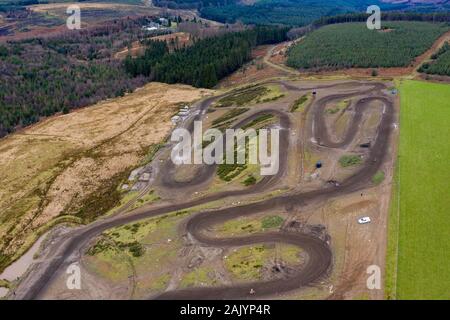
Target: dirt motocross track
<point x="319" y="261"/>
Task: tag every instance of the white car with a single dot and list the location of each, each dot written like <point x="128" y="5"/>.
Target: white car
<point x="364" y="220"/>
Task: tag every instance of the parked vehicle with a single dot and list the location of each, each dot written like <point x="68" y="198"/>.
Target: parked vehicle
<point x="364" y="220"/>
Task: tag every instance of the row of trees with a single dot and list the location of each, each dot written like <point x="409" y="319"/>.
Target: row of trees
<point x="205" y="62"/>
<point x="385" y="16"/>
<point x="191" y="4"/>
<point x="16" y="5"/>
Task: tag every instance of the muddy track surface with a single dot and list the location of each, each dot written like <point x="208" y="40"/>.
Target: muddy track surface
<point x="206" y="172"/>
<point x="319" y="253"/>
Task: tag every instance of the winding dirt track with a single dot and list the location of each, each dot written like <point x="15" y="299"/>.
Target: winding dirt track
<point x="319" y="253"/>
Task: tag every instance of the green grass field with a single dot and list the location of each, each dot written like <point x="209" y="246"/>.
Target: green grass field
<point x="422" y="199"/>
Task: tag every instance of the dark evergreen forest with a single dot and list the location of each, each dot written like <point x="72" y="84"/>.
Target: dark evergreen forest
<point x="43" y="76"/>
<point x="204" y="63"/>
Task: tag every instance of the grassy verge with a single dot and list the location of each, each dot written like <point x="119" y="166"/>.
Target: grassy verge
<point x="423" y="267"/>
<point x="228" y="116"/>
<point x="378" y="177"/>
<point x="300" y="102"/>
<point x="390" y="284"/>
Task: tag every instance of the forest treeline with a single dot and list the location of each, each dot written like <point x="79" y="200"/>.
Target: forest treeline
<point x="191" y="4"/>
<point x="347" y="45"/>
<point x="43" y="76"/>
<point x="274" y="12"/>
<point x="440" y="63"/>
<point x="6" y="6"/>
<point x="205" y="62"/>
<point x="283" y="12"/>
<point x="385" y="16"/>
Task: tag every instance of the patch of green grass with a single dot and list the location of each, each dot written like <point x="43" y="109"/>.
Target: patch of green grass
<point x="107" y="243"/>
<point x="423" y="270"/>
<point x="339" y="106"/>
<point x="390" y="281"/>
<point x="228" y="172"/>
<point x="260" y="119"/>
<point x="243" y="97"/>
<point x="100" y="246"/>
<point x="150" y="197"/>
<point x="332" y="110"/>
<point x="4" y="283"/>
<point x="300" y="102"/>
<point x="250" y="180"/>
<point x="350" y="160"/>
<point x="378" y="177"/>
<point x="121" y="248"/>
<point x="246" y="225"/>
<point x="239" y="226"/>
<point x="343" y="103"/>
<point x="161" y="282"/>
<point x="153" y="149"/>
<point x="246" y="263"/>
<point x="272" y="222"/>
<point x="274" y="93"/>
<point x="135" y="248"/>
<point x="109" y="263"/>
<point x="228" y="116"/>
<point x="201" y="276"/>
<point x="290" y="253"/>
<point x="103" y="199"/>
<point x="252" y="95"/>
